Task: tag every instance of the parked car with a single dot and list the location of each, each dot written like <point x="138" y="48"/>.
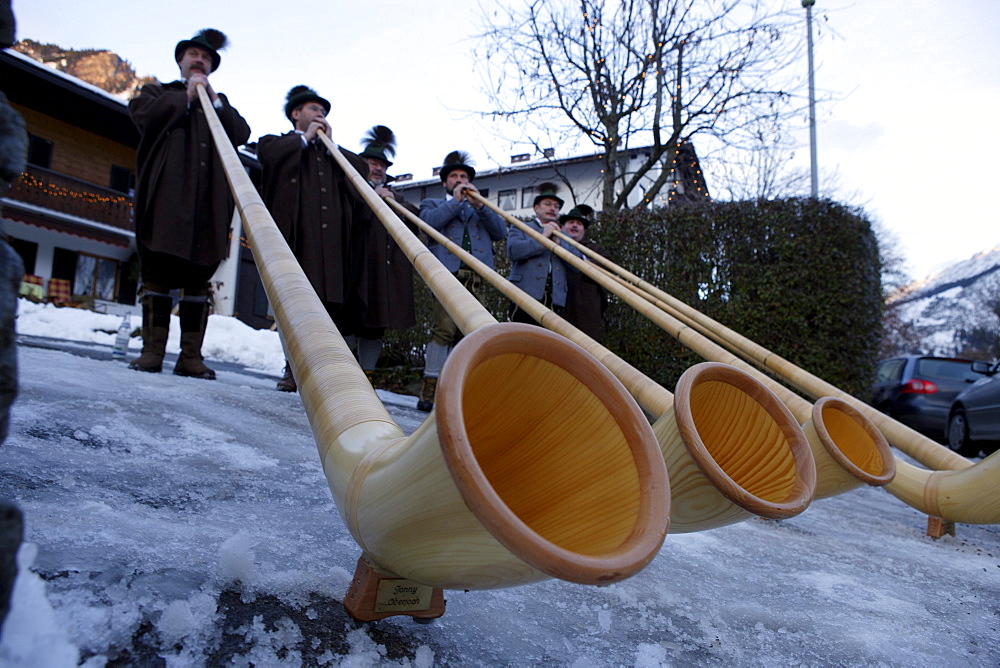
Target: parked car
<point x="974" y="421"/>
<point x="918" y="390"/>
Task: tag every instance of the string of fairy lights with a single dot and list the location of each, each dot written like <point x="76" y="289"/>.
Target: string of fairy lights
<point x="32" y="182"/>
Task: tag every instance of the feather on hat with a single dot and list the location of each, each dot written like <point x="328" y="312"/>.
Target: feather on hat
<point x="209" y="39"/>
<point x="547" y="190"/>
<point x="456" y="160"/>
<point x="298" y="96"/>
<point x="379" y="143"/>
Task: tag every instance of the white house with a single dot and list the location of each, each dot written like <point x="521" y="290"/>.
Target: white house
<point x="513" y="186"/>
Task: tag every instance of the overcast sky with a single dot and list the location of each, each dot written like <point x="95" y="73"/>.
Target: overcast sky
<point x="910" y="133"/>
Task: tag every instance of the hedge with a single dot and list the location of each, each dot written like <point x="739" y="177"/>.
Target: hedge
<point x="800" y="277"/>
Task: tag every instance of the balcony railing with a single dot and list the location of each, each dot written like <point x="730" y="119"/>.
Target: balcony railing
<point x="58" y="192"/>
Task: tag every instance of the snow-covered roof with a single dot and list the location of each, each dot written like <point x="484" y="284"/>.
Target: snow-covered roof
<point x="68" y="78"/>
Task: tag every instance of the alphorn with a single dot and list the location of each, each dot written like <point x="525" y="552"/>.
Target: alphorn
<point x="923" y="449"/>
<point x="731" y="448"/>
<point x="499" y="486"/>
<point x="958" y="492"/>
<point x="848" y="450"/>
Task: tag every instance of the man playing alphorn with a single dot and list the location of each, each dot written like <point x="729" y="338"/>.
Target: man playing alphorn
<point x="317" y="210"/>
<point x="183" y="206"/>
<point x="474" y="227"/>
<point x="533" y="267"/>
<point x="387" y="279"/>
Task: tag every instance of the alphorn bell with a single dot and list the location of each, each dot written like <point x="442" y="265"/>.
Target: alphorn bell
<point x="847" y="450"/>
<point x="497" y="488"/>
<point x="959" y="492"/>
<point x="918" y="446"/>
<point x="731" y="448"/>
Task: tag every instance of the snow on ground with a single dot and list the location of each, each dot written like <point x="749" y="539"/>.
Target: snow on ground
<point x="226" y="339"/>
<point x="175" y="521"/>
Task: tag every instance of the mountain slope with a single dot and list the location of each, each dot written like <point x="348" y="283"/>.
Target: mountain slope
<point x="102" y="68"/>
<point x="952" y="311"/>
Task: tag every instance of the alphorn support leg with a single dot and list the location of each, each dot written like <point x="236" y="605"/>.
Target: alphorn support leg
<point x="376" y="595"/>
<point x="937" y="527"/>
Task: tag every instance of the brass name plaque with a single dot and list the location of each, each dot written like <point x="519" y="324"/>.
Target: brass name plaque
<point x="402" y="596"/>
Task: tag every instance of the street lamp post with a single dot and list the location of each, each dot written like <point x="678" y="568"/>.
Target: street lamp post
<point x="808" y="4"/>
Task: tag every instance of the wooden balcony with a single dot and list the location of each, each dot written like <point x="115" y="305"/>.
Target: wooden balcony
<point x="58" y="192"/>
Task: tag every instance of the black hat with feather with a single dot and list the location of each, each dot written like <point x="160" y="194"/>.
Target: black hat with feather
<point x="298" y="96"/>
<point x="456" y="160"/>
<point x="210" y="40"/>
<point x="547" y="190"/>
<point x="379" y="143"/>
<point x="581" y="212"/>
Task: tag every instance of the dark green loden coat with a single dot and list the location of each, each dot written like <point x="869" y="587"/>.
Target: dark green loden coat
<point x="183" y="205"/>
<point x="387" y="278"/>
<point x="320" y="214"/>
<point x="586" y="301"/>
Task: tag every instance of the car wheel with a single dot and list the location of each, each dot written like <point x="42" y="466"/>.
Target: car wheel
<point x="958" y="435"/>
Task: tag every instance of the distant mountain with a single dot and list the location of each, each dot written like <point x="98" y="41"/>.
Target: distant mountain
<point x="102" y="68"/>
<point x="953" y="311"/>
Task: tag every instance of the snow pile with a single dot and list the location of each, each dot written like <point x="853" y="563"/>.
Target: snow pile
<point x="226" y="339"/>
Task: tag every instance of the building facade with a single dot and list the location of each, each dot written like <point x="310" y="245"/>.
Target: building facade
<point x="69" y="216"/>
<point x="513" y="187"/>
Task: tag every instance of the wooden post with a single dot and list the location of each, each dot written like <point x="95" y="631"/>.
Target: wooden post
<point x="376" y="595"/>
<point x="937" y="527"/>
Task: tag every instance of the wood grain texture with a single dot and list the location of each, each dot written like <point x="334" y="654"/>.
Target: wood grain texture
<point x="848" y="449"/>
<point x="751" y="433"/>
<point x="424" y="507"/>
<point x="745" y="444"/>
<point x="851" y="439"/>
<point x="968" y="495"/>
<point x="861" y="441"/>
<point x="918" y="446"/>
<point x="957" y="492"/>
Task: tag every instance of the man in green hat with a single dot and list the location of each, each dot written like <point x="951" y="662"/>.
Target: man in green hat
<point x="386" y="282"/>
<point x="183" y="205"/>
<point x="534" y="268"/>
<point x="586" y="300"/>
<point x="321" y="215"/>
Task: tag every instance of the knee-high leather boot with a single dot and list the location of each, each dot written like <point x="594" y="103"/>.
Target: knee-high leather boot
<point x="193" y="312"/>
<point x="155" y="329"/>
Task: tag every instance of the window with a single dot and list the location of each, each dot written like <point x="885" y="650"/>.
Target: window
<point x="28" y="250"/>
<point x="63" y="263"/>
<point x="890" y="370"/>
<point x="95" y="276"/>
<point x="527" y="198"/>
<point x="507" y="199"/>
<point x="39" y="151"/>
<point x="122" y="179"/>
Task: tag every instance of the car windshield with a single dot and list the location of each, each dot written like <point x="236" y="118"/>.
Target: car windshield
<point x="945" y="369"/>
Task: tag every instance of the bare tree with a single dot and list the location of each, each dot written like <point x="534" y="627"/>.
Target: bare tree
<point x="637" y="73"/>
<point x="762" y="171"/>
